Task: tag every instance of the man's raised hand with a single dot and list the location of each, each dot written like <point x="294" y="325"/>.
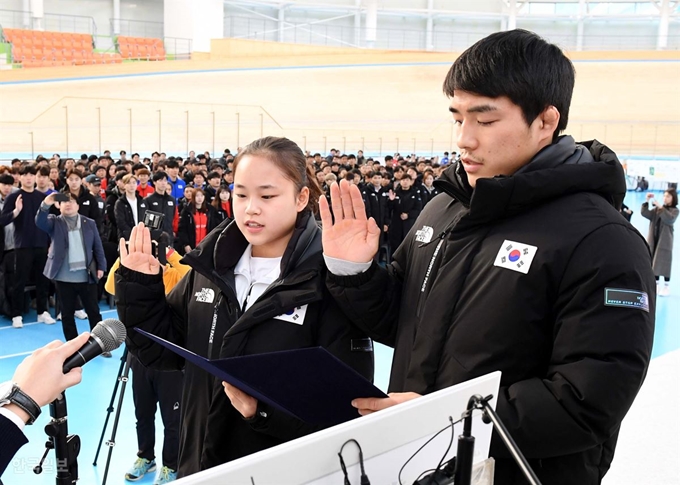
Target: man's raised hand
<point x="352" y="237"/>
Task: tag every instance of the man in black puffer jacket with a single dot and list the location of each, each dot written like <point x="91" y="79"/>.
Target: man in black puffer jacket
<point x="523" y="264"/>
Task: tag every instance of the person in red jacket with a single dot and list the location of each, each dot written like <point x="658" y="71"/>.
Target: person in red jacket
<point x="222" y="203"/>
<point x="144" y="189"/>
<point x="196" y="221"/>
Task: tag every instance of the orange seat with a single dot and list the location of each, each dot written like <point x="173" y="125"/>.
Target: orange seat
<point x="78" y="57"/>
<point x="158" y="54"/>
<point x="143" y="51"/>
<point x="125" y="51"/>
<point x="18" y="53"/>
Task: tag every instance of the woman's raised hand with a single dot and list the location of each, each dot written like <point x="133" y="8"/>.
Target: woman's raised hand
<point x="138" y="256"/>
<point x="352" y="237"/>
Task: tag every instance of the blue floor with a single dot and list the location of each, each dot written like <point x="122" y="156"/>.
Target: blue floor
<point x="88" y="401"/>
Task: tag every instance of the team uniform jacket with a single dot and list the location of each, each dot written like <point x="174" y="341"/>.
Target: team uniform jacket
<point x="186" y="233"/>
<point x="166" y="205"/>
<point x="203" y="315"/>
<point x="125" y="219"/>
<point x="513" y="276"/>
<point x="405" y="201"/>
<point x="377" y="205"/>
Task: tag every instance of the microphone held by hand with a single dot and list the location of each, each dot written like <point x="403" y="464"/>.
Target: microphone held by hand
<point x="106" y="336"/>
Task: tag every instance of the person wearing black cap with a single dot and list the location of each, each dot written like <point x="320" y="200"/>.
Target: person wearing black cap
<point x="76" y="260"/>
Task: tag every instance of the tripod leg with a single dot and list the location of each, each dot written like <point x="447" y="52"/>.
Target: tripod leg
<point x="109" y="410"/>
<point x="112" y="442"/>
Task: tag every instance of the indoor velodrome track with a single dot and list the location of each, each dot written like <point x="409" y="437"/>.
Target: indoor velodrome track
<point x="630" y="102"/>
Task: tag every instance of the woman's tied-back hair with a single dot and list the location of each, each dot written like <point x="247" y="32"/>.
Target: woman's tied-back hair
<point x="290" y="159"/>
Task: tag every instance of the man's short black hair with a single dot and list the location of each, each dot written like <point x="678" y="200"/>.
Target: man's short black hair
<point x="135" y="155"/>
<point x="213" y="175"/>
<point x="122" y="152"/>
<point x="44" y="171"/>
<point x="160" y="175"/>
<point x="26" y="169"/>
<point x="119" y="175"/>
<point x="172" y="163"/>
<point x="519" y="64"/>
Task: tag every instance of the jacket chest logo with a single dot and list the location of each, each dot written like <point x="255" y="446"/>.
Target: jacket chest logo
<point x="424" y="235"/>
<point x="206" y="295"/>
<point x="295" y="315"/>
<point x="515" y="256"/>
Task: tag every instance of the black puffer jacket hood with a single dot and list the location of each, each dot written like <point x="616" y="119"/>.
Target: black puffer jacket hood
<point x="560" y="169"/>
<point x="223" y="247"/>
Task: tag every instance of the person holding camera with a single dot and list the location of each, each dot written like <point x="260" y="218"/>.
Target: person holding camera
<point x="660" y="235"/>
<point x="76" y="260"/>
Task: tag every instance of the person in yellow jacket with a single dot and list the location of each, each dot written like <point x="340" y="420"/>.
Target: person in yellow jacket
<point x="172" y="272"/>
<point x="150" y="387"/>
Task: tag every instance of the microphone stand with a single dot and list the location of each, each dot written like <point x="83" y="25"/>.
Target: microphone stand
<point x="490" y="416"/>
<point x="122" y="377"/>
<point x="459" y="470"/>
<point x="66" y="447"/>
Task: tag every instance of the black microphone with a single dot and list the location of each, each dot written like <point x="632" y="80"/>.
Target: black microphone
<point x="106" y="336"/>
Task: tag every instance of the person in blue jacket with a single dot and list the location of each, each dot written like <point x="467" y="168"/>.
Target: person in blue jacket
<point x="75" y="262"/>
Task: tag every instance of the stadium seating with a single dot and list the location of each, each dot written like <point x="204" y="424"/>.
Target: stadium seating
<point x="144" y="48"/>
<point x="33" y="48"/>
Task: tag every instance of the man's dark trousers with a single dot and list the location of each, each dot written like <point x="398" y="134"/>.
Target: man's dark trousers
<point x="29" y="264"/>
<point x="165" y="388"/>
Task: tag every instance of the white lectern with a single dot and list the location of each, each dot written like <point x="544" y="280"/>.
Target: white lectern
<point x="388" y="439"/>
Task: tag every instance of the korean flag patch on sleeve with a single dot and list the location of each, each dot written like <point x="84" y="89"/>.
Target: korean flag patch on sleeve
<point x="295" y="315"/>
<point x="515" y="256"/>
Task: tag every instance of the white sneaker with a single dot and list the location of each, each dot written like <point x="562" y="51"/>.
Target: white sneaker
<point x="80" y="314"/>
<point x="59" y="316"/>
<point x="46" y="318"/>
<point x="17" y="322"/>
<point x="664" y="290"/>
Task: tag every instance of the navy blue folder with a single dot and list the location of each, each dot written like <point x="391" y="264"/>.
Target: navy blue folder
<point x="310" y="384"/>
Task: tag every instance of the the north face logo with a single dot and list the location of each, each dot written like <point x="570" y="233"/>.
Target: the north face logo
<point x="425" y="234"/>
<point x="206" y="295"/>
